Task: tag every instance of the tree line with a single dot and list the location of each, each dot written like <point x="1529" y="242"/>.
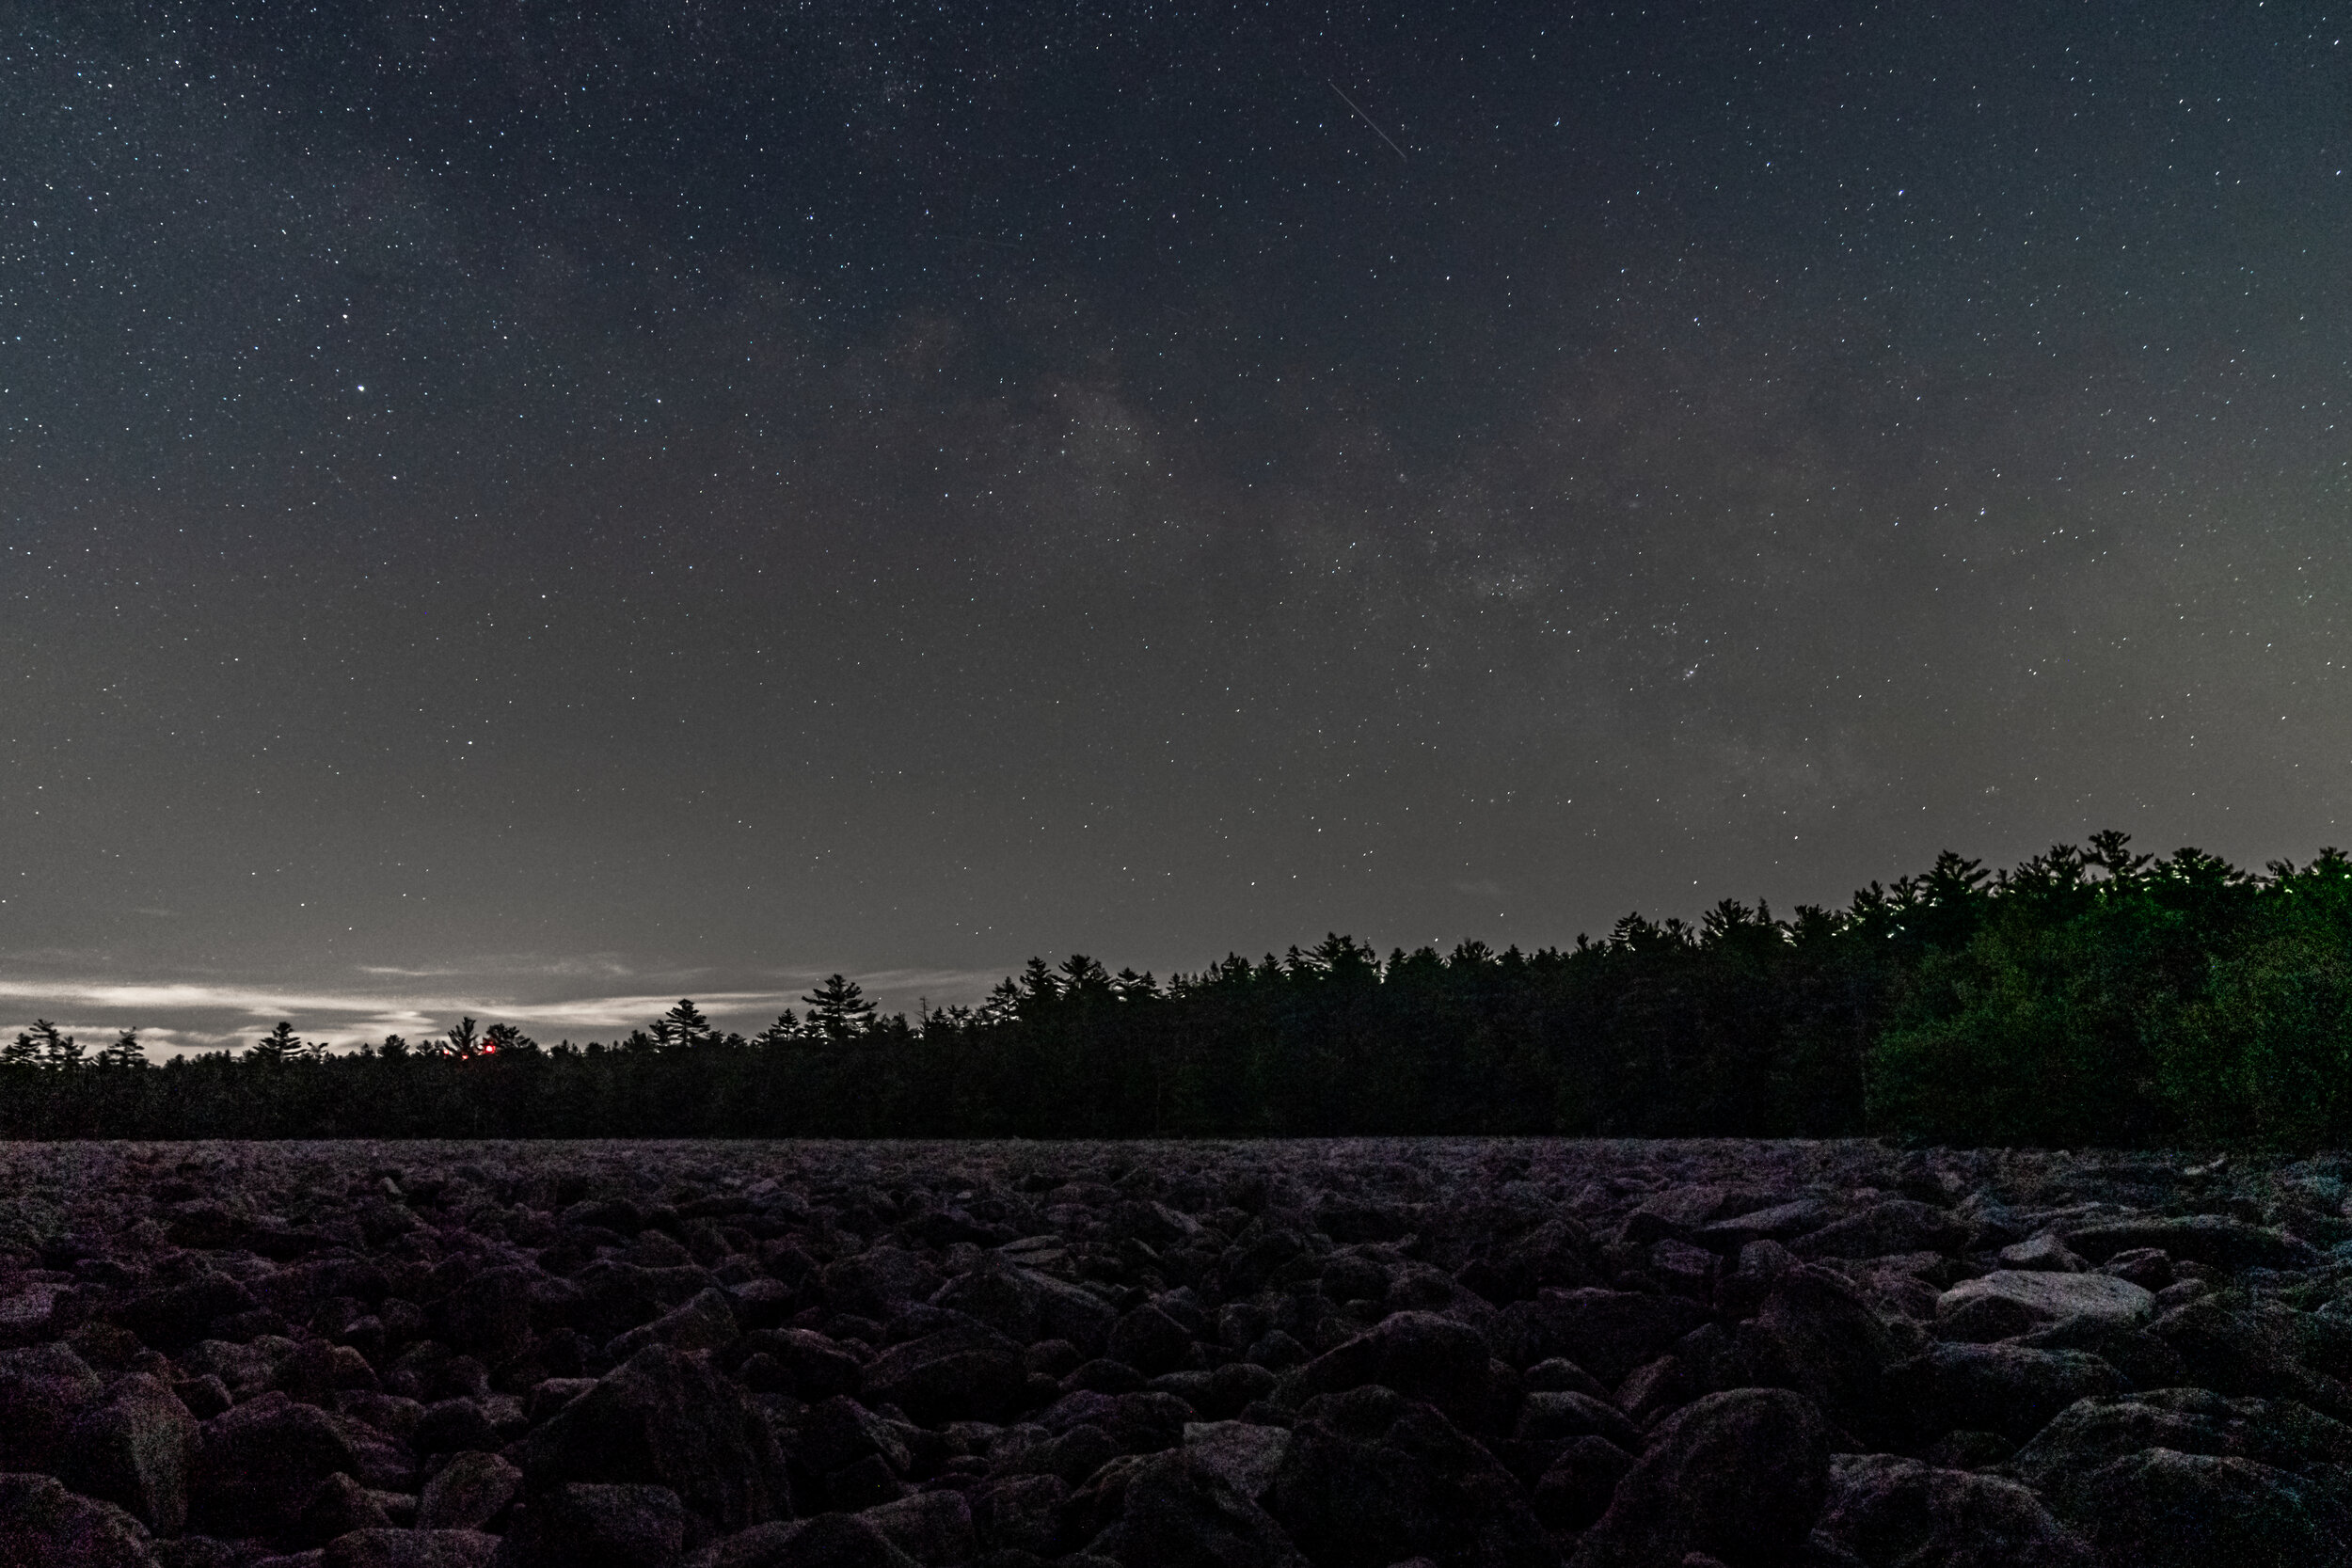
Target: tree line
<point x="2087" y="996"/>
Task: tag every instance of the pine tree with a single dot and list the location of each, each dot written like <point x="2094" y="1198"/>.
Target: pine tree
<point x="838" y="1010"/>
<point x="26" y="1050"/>
<point x="682" y="1025"/>
<point x="126" y="1051"/>
<point x="785" y="1029"/>
<point x="461" y="1041"/>
<point x="278" y="1045"/>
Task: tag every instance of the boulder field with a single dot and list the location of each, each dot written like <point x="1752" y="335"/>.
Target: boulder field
<point x="1448" y="1353"/>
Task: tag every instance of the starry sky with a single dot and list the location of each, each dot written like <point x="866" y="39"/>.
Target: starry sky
<point x="540" y="510"/>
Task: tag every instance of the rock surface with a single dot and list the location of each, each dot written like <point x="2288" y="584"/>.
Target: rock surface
<point x="1507" y="1354"/>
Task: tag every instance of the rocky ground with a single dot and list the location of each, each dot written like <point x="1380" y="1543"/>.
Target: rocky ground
<point x="1346" y="1354"/>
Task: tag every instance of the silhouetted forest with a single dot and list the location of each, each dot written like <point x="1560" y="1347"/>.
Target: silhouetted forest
<point x="2090" y="995"/>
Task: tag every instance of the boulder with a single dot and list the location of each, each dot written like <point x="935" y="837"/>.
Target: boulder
<point x="828" y="1540"/>
<point x="2093" y="1432"/>
<point x="1371" y="1476"/>
<point x="1565" y="1414"/>
<point x="704" y="1323"/>
<point x="877" y="1282"/>
<point x="2045" y="1297"/>
<point x="1889" y="1512"/>
<point x="2218" y="1241"/>
<point x="1149" y="1340"/>
<point x="43" y="1524"/>
<point x="412" y="1548"/>
<point x="1576" y="1488"/>
<point x="137" y="1449"/>
<point x="2256" y="1349"/>
<point x="2003" y="1388"/>
<point x="2160" y="1508"/>
<point x="489" y="1315"/>
<point x="451" y="1426"/>
<point x="1738" y="1476"/>
<point x="1900" y="1225"/>
<point x="840" y="1432"/>
<point x="2043" y="1253"/>
<point x="469" y="1492"/>
<point x="45" y="1389"/>
<point x="173" y="1318"/>
<point x="1243" y="1453"/>
<point x="932" y="1528"/>
<point x="339" y="1506"/>
<point x="1816" y="1335"/>
<point x="1420" y="1354"/>
<point x="1180" y="1512"/>
<point x="1781" y="1222"/>
<point x="1021" y="1512"/>
<point x="662" y="1419"/>
<point x="813" y="1367"/>
<point x="584" y="1525"/>
<point x="1608" y="1333"/>
<point x="261" y="1461"/>
<point x="970" y="1374"/>
<point x="1555" y="1254"/>
<point x="1681" y="1213"/>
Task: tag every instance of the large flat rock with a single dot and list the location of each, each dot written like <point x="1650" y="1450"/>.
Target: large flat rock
<point x="2050" y="1297"/>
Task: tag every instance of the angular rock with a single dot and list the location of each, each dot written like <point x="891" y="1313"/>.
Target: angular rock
<point x="932" y="1528"/>
<point x="1608" y="1333"/>
<point x="1816" y="1335"/>
<point x="2162" y="1508"/>
<point x="1182" y="1513"/>
<point x="2218" y="1241"/>
<point x="411" y="1548"/>
<point x="44" y="1391"/>
<point x="1556" y="1254"/>
<point x="878" y="1281"/>
<point x="1900" y="1225"/>
<point x="704" y="1323"/>
<point x="2093" y="1432"/>
<point x="1781" y="1223"/>
<point x="959" y="1374"/>
<point x="44" y="1525"/>
<point x="469" y="1492"/>
<point x="453" y="1426"/>
<point x="1740" y="1475"/>
<point x="1574" y="1490"/>
<point x="261" y="1461"/>
<point x="1149" y="1340"/>
<point x="1021" y="1513"/>
<point x="1568" y="1414"/>
<point x="828" y="1540"/>
<point x="1371" y="1478"/>
<point x="137" y="1449"/>
<point x="489" y="1315"/>
<point x="339" y="1506"/>
<point x="2047" y="1297"/>
<point x="1245" y="1454"/>
<point x="2003" y="1388"/>
<point x="840" y="1432"/>
<point x="1889" y="1512"/>
<point x="1681" y="1213"/>
<point x="2256" y="1349"/>
<point x="663" y="1419"/>
<point x="814" y="1367"/>
<point x="2043" y="1252"/>
<point x="583" y="1525"/>
<point x="174" y="1318"/>
<point x="1420" y="1354"/>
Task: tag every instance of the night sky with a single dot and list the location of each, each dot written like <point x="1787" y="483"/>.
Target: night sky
<point x="541" y="510"/>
